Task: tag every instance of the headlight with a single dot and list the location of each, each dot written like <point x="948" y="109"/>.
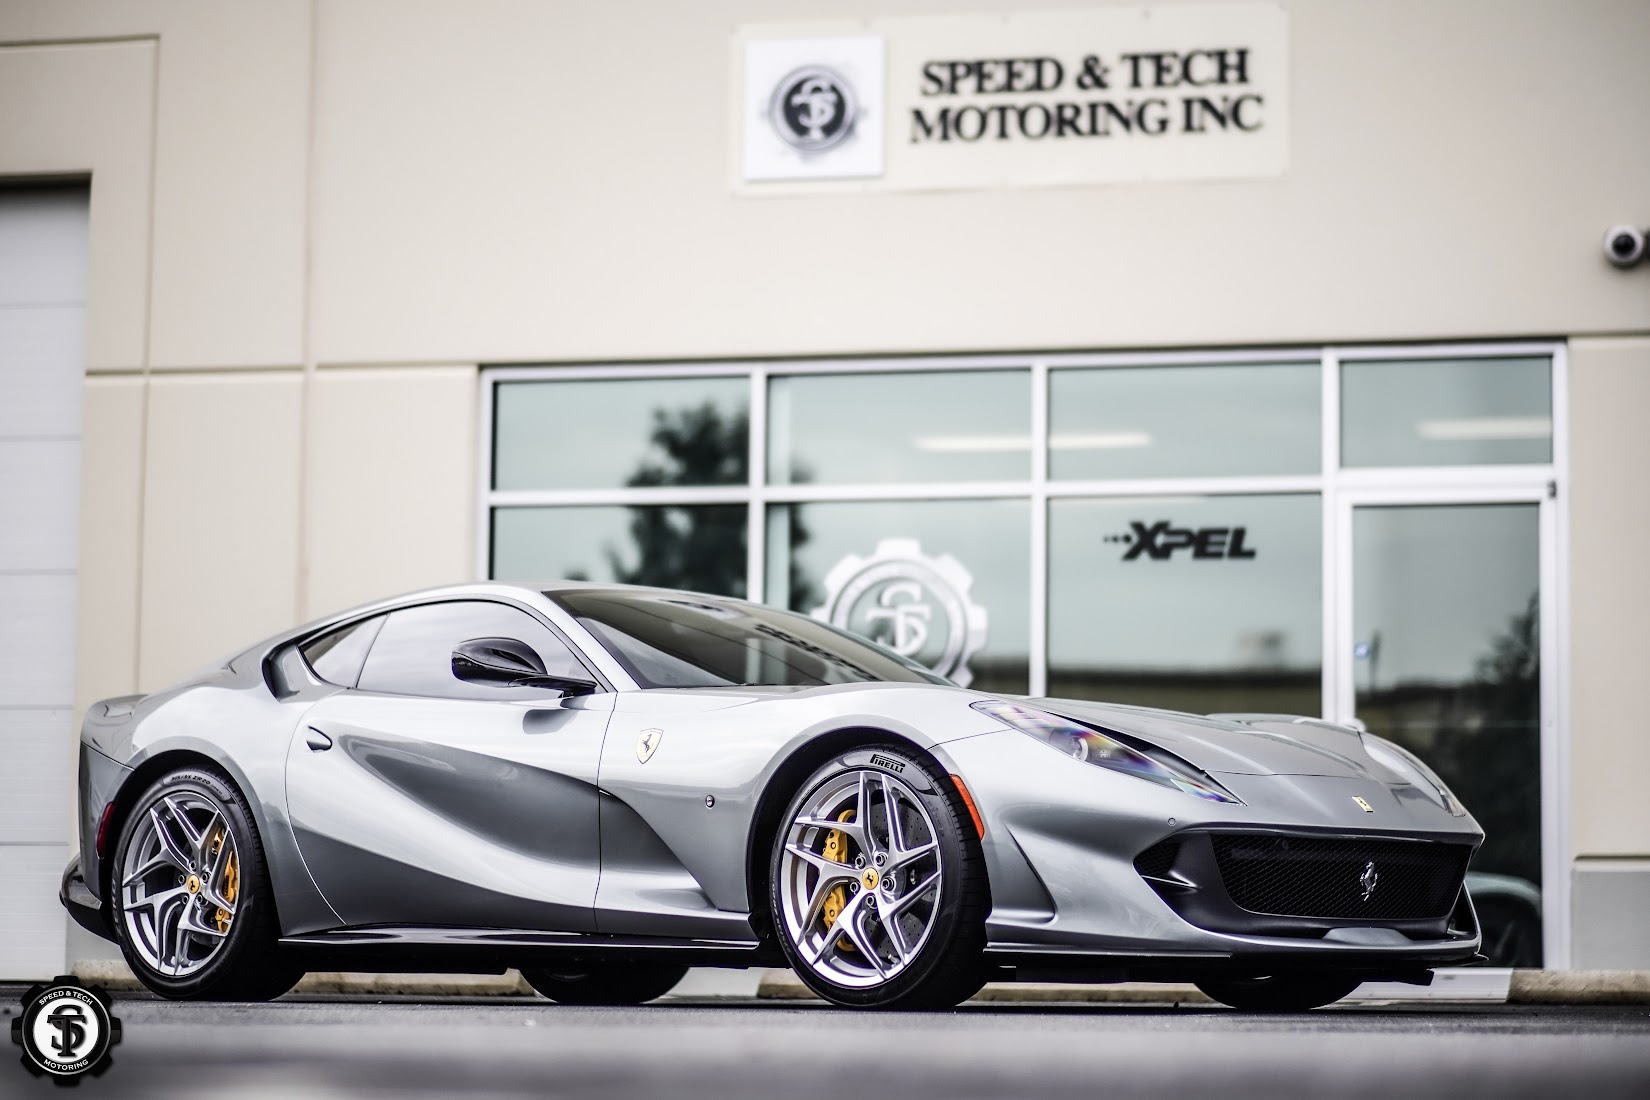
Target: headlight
<point x="1406" y="766"/>
<point x="1106" y="750"/>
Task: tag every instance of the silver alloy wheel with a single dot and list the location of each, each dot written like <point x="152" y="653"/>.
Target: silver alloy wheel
<point x="860" y="878"/>
<point x="179" y="882"/>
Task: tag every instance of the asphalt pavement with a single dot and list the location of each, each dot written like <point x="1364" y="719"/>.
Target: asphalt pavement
<point x="682" y="1049"/>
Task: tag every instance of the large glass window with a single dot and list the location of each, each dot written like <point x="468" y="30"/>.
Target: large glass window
<point x="943" y="582"/>
<point x="1447" y="634"/>
<point x="1207" y="601"/>
<point x="1184" y="421"/>
<point x="699" y="547"/>
<point x="1446" y="412"/>
<point x="628" y="432"/>
<point x="1195" y="603"/>
<point x="914" y="426"/>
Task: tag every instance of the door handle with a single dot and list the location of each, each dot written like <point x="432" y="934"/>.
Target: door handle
<point x="317" y="741"/>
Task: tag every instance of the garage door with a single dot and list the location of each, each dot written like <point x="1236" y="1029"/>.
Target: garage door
<point x="42" y="326"/>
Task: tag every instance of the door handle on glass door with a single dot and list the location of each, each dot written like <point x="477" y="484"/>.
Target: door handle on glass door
<point x="317" y="741"/>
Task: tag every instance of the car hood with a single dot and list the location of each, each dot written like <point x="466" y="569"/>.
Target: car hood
<point x="1240" y="744"/>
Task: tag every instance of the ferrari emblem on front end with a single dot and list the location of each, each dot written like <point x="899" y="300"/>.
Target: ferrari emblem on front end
<point x="1368" y="879"/>
<point x="648" y="744"/>
<point x="1367" y="808"/>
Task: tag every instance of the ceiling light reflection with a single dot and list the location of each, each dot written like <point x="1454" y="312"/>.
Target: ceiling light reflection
<point x="1486" y="428"/>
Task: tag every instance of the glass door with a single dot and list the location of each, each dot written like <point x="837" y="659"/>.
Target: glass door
<point x="1442" y="620"/>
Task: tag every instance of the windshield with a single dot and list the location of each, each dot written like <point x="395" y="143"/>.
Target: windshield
<point x="668" y="639"/>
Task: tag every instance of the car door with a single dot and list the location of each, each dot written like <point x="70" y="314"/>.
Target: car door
<point x="421" y="799"/>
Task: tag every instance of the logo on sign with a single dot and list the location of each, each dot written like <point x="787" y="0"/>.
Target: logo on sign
<point x="914" y="604"/>
<point x="1160" y="540"/>
<point x="812" y="108"/>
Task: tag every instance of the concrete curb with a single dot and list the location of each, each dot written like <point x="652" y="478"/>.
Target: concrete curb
<point x="1524" y="987"/>
<point x="1579" y="987"/>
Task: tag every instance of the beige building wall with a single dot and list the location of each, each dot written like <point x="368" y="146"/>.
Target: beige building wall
<point x="1609" y="607"/>
<point x="390" y="483"/>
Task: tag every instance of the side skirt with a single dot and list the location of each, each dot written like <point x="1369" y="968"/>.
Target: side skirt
<point x="385" y="949"/>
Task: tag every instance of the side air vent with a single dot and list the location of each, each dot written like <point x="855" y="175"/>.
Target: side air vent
<point x="1156" y="861"/>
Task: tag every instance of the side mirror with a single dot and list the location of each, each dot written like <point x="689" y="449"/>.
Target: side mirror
<point x="505" y="662"/>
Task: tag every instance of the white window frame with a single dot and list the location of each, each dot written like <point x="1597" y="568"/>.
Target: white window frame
<point x="1339" y="490"/>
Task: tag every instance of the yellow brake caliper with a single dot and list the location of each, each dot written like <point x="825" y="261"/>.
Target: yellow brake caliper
<point x="231" y="884"/>
<point x="836" y="850"/>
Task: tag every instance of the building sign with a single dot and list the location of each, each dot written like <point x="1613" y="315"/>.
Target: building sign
<point x="914" y="604"/>
<point x="1108" y="95"/>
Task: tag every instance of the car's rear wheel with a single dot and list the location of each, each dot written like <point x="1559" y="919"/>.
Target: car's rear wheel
<point x="191" y="901"/>
<point x="609" y="984"/>
<point x="877" y="884"/>
<point x="1280" y="992"/>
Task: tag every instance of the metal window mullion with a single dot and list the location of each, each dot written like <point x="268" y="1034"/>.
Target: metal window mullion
<point x="1557" y="857"/>
<point x="756" y="533"/>
<point x="1188" y="486"/>
<point x="1397" y="352"/>
<point x="1039" y="529"/>
<point x="653" y="494"/>
<point x="483" y="566"/>
<point x="1335" y="571"/>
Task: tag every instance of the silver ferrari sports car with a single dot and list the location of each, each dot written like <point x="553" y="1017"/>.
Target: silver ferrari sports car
<point x="604" y="785"/>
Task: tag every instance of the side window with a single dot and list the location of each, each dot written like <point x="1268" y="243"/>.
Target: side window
<point x="413" y="654"/>
<point x="336" y="657"/>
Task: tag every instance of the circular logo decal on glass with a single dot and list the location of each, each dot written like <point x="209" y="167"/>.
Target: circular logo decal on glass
<point x="916" y="605"/>
<point x="812" y="108"/>
<point x="65" y="1029"/>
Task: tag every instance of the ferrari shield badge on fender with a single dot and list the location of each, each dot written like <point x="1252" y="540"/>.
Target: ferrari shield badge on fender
<point x="65" y="1030"/>
<point x="648" y="743"/>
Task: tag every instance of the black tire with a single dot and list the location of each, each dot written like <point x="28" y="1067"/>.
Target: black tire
<point x="606" y="984"/>
<point x="949" y="967"/>
<point x="1280" y="992"/>
<point x="247" y="966"/>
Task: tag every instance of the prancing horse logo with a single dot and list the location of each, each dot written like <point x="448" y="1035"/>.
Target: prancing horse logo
<point x="648" y="744"/>
<point x="1368" y="879"/>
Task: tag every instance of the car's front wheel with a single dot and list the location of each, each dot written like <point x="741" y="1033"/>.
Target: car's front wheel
<point x="609" y="984"/>
<point x="1280" y="992"/>
<point x="877" y="884"/>
<point x="191" y="901"/>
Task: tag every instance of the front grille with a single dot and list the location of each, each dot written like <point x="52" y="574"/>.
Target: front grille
<point x="1328" y="876"/>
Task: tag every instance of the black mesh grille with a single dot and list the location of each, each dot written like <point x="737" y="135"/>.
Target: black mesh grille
<point x="1155" y="861"/>
<point x="1331" y="876"/>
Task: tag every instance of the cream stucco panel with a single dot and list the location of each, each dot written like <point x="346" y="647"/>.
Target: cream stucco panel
<point x="230" y="157"/>
<point x="1609" y="594"/>
<point x="390" y="486"/>
<point x="220" y="517"/>
<point x="88" y="109"/>
<point x="111" y="516"/>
